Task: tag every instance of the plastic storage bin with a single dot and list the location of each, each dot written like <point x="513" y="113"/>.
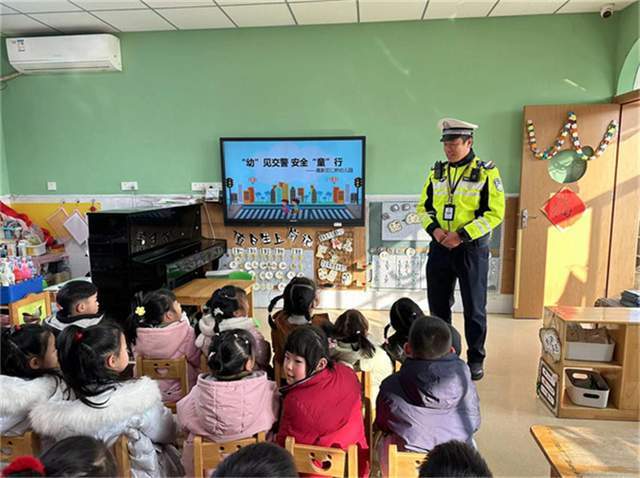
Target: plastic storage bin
<point x="587" y="388"/>
<point x="17" y="291"/>
<point x="589" y="351"/>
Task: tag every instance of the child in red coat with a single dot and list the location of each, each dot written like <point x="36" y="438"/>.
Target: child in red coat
<point x="322" y="403"/>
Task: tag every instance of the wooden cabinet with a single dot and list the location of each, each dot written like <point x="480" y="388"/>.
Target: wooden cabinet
<point x="622" y="373"/>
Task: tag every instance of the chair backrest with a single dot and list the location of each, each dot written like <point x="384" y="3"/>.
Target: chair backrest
<point x="207" y="454"/>
<point x="26" y="444"/>
<point x="165" y="369"/>
<point x="404" y="464"/>
<point x="121" y="454"/>
<point x="33" y="308"/>
<point x="367" y="405"/>
<point x="324" y="461"/>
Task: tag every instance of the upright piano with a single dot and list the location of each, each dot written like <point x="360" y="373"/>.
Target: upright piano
<point x="133" y="250"/>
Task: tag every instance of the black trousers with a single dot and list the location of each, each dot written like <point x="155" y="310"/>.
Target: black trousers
<point x="469" y="264"/>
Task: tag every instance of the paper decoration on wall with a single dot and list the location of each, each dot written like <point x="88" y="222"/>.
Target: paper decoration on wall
<point x="334" y="258"/>
<point x="265" y="237"/>
<point x="564" y="208"/>
<point x="550" y="342"/>
<point x="253" y="239"/>
<point x="401" y="223"/>
<point x="570" y="129"/>
<point x="238" y="237"/>
<point x="307" y="240"/>
<point x="278" y="239"/>
<point x="56" y="221"/>
<point x="293" y="234"/>
<point x="331" y="235"/>
<point x="77" y="227"/>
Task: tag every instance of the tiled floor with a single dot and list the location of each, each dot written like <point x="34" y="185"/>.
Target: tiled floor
<point x="507" y="395"/>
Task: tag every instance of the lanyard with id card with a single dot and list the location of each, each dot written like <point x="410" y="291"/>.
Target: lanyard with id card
<point x="449" y="210"/>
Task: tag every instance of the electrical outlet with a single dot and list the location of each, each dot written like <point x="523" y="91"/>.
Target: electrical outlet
<point x="202" y="187"/>
<point x="52" y="186"/>
<point x="129" y="185"/>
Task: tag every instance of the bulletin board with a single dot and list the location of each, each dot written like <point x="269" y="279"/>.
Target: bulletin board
<point x="275" y="254"/>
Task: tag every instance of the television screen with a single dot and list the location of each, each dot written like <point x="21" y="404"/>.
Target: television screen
<point x="308" y="181"/>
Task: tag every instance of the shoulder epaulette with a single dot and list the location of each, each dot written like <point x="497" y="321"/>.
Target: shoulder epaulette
<point x="487" y="164"/>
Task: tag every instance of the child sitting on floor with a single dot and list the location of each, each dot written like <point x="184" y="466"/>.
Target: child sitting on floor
<point x="234" y="401"/>
<point x="229" y="309"/>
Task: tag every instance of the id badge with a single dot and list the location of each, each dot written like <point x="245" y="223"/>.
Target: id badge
<point x="449" y="212"/>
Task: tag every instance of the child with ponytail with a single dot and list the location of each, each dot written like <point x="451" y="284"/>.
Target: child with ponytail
<point x="29" y="375"/>
<point x="104" y="405"/>
<point x="229" y="309"/>
<point x="233" y="401"/>
<point x="162" y="331"/>
<point x="353" y="347"/>
<point x="402" y="314"/>
<point x="300" y="297"/>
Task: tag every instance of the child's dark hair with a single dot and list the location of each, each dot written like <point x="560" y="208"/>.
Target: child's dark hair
<point x="429" y="338"/>
<point x="229" y="352"/>
<point x="311" y="343"/>
<point x="351" y="327"/>
<point x="401" y="315"/>
<point x="298" y="296"/>
<point x="454" y="459"/>
<point x="20" y="344"/>
<point x="72" y="457"/>
<point x="73" y="292"/>
<point x="82" y="354"/>
<point x="148" y="311"/>
<point x="258" y="460"/>
<point x="224" y="302"/>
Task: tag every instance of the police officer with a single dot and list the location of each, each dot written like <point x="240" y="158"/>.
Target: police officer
<point x="461" y="203"/>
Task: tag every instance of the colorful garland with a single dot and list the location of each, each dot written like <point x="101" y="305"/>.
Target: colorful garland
<point x="570" y="127"/>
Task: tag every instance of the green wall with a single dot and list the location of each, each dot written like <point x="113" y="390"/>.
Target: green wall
<point x="158" y="122"/>
<point x="628" y="47"/>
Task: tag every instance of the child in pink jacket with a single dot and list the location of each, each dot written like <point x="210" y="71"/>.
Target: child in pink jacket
<point x="229" y="310"/>
<point x="162" y="331"/>
<point x="233" y="401"/>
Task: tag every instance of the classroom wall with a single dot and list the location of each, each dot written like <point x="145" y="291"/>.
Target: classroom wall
<point x="628" y="47"/>
<point x="158" y="122"/>
<point x="4" y="170"/>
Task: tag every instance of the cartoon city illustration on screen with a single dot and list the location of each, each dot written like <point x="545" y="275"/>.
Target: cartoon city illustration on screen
<point x="302" y="180"/>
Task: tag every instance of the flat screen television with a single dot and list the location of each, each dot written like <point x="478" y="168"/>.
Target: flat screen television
<point x="284" y="181"/>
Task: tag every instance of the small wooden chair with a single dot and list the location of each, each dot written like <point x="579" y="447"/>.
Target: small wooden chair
<point x="26" y="444"/>
<point x="120" y="452"/>
<point x="324" y="461"/>
<point x="207" y="454"/>
<point x="367" y="406"/>
<point x="165" y="369"/>
<point x="33" y="308"/>
<point x="404" y="464"/>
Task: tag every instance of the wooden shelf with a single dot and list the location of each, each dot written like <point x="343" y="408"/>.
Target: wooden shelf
<point x="623" y="325"/>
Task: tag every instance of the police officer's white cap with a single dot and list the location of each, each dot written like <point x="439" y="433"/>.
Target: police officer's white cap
<point x="455" y="127"/>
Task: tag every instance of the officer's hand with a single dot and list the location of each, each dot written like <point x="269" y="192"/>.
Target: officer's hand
<point x="452" y="240"/>
<point x="439" y="234"/>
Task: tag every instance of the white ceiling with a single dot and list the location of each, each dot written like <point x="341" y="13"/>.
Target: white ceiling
<point x="25" y="17"/>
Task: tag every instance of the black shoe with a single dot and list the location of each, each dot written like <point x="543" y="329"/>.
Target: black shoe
<point x="477" y="370"/>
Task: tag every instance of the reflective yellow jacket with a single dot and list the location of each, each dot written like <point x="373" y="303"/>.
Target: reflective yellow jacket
<point x="479" y="205"/>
